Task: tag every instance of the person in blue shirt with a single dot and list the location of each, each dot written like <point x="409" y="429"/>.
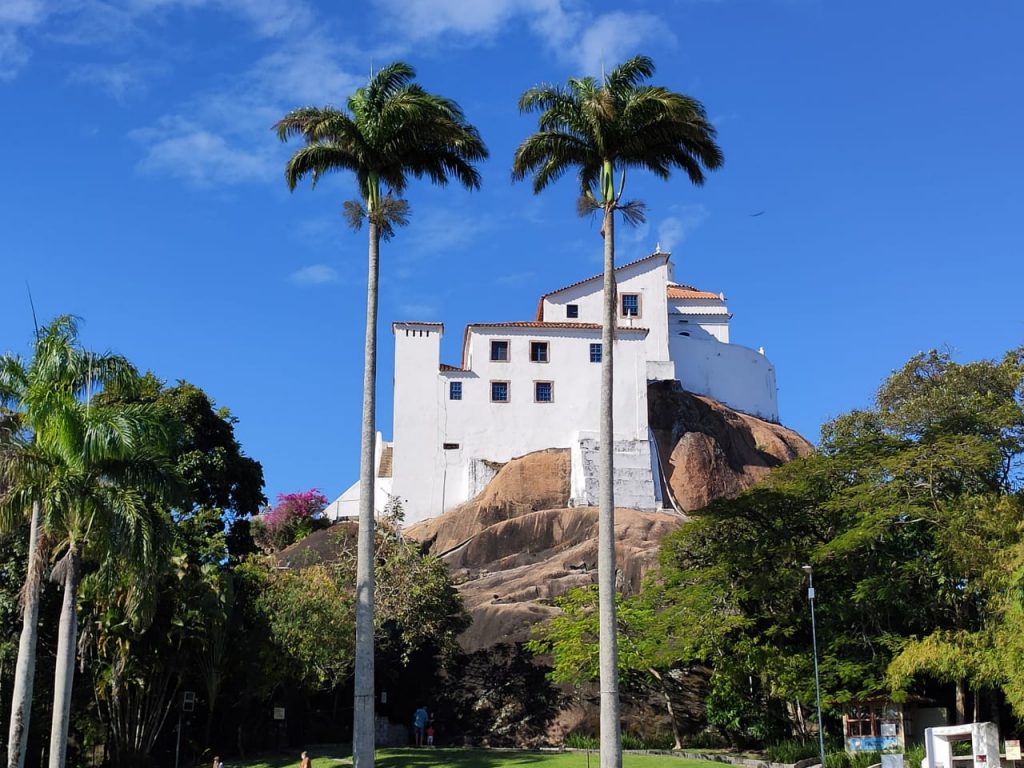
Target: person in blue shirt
<point x="419" y="724"/>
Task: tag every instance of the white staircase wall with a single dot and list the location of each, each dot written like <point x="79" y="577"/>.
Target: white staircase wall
<point x="634" y="479"/>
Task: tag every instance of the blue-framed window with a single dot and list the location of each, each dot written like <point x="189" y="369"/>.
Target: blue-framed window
<point x="538" y="351"/>
<point x="595" y="353"/>
<point x="499" y="392"/>
<point x="499" y="351"/>
<point x="455" y="390"/>
<point x="631" y="305"/>
<point x="543" y="391"/>
<point x="572" y="310"/>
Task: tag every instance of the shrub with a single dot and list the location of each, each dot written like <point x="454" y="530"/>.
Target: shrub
<point x="295" y="516"/>
<point x="856" y="760"/>
<point x="577" y="740"/>
<point x="791" y="750"/>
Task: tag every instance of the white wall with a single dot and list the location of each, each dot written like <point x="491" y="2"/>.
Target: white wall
<point x="431" y="479"/>
<point x="347" y="505"/>
<point x="739" y="377"/>
<point x="499" y="431"/>
<point x="417" y="460"/>
<point x="700" y="318"/>
<point x="647" y="278"/>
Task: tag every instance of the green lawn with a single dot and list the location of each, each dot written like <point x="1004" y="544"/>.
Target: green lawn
<point x="411" y="757"/>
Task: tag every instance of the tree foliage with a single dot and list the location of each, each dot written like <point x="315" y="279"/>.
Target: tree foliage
<point x="295" y="516"/>
<point x="911" y="515"/>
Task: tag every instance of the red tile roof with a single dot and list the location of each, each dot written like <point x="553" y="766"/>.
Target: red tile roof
<point x="540" y="304"/>
<point x="444" y="367"/>
<point x="552" y="325"/>
<point x="689" y="292"/>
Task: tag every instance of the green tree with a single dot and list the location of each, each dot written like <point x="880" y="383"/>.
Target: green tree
<point x="41" y="399"/>
<point x="310" y="616"/>
<point x="910" y="514"/>
<point x="190" y="600"/>
<point x="647" y="652"/>
<point x="602" y="129"/>
<point x="392" y="129"/>
<point x="94" y="468"/>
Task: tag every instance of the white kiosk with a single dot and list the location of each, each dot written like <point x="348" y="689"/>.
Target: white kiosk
<point x="984" y="745"/>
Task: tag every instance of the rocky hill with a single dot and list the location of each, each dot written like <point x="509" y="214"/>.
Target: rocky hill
<point x="518" y="544"/>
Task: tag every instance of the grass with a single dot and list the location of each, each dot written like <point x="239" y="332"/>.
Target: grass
<point x="410" y="757"/>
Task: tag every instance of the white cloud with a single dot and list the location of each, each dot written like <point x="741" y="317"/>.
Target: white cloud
<point x="565" y="26"/>
<point x="21" y="12"/>
<point x="424" y="19"/>
<point x="119" y="81"/>
<point x="13" y="54"/>
<point x="15" y="17"/>
<point x="180" y="148"/>
<point x="305" y="71"/>
<point x="227" y="133"/>
<point x="673" y="230"/>
<point x="314" y="274"/>
<point x="437" y="230"/>
<point x="614" y="37"/>
<point x="269" y="18"/>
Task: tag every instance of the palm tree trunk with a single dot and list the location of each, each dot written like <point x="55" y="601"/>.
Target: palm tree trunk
<point x="24" y="671"/>
<point x="67" y="641"/>
<point x="611" y="738"/>
<point x="363" y="717"/>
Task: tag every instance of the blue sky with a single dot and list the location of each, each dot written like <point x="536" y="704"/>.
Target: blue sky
<point x="144" y="191"/>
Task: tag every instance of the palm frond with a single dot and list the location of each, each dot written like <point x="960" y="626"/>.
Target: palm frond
<point x="354" y="214"/>
<point x="618" y="123"/>
<point x="392" y="213"/>
<point x="633" y="212"/>
<point x="393" y="129"/>
<point x="587" y="205"/>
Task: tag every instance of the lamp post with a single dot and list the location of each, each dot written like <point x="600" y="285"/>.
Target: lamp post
<point x="814" y="645"/>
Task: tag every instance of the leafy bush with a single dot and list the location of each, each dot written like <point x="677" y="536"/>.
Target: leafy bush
<point x="856" y="760"/>
<point x="913" y="755"/>
<point x="577" y="740"/>
<point x="295" y="516"/>
<point x="659" y="741"/>
<point x="791" y="750"/>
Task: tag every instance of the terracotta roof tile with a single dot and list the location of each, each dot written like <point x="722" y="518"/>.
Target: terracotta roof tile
<point x="689" y="292"/>
<point x="552" y="325"/>
<point x="450" y="368"/>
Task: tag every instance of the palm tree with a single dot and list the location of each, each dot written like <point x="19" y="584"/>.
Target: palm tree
<point x="92" y="470"/>
<point x="29" y="394"/>
<point x="600" y="129"/>
<point x="11" y="443"/>
<point x="392" y="129"/>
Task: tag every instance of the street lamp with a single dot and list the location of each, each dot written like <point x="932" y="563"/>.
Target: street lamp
<point x="814" y="645"/>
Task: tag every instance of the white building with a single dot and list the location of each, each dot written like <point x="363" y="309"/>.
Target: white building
<point x="530" y="385"/>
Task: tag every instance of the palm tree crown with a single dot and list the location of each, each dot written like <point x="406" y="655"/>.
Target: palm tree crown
<point x="617" y="123"/>
<point x="391" y="129"/>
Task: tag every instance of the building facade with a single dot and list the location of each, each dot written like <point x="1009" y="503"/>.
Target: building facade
<point x="529" y="385"/>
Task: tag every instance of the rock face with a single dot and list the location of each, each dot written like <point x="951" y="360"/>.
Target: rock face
<point x="517" y="545"/>
<point x="711" y="452"/>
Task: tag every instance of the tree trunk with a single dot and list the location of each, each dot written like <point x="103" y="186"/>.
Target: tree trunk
<point x="961" y="701"/>
<point x="24" y="671"/>
<point x="67" y="642"/>
<point x="611" y="738"/>
<point x="667" y="694"/>
<point x="363" y="717"/>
